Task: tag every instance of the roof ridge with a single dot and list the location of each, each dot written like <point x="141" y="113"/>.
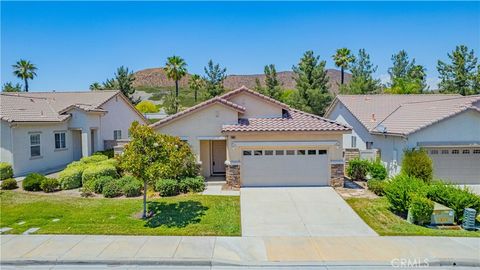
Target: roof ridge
<point x="253" y="92"/>
<point x="446" y="98"/>
<point x="319" y="117"/>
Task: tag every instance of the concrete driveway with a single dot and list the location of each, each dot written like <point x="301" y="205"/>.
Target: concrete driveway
<point x="298" y="211"/>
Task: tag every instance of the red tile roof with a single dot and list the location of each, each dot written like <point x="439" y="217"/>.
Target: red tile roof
<point x="295" y="120"/>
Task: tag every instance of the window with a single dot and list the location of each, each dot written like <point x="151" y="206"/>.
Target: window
<point x="279" y="152"/>
<point x="354" y="141"/>
<point x="455" y="151"/>
<point x="60" y="140"/>
<point x="312" y="152"/>
<point x="444" y="152"/>
<point x="117" y="134"/>
<point x="268" y="152"/>
<point x="322" y="152"/>
<point x="301" y="152"/>
<point x="290" y="152"/>
<point x="466" y="151"/>
<point x="369" y="145"/>
<point x="247" y="153"/>
<point x="35" y="145"/>
<point x="476" y="151"/>
<point x="433" y="152"/>
<point x="257" y="152"/>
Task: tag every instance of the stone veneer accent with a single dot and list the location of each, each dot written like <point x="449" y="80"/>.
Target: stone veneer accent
<point x="232" y="175"/>
<point x="336" y="175"/>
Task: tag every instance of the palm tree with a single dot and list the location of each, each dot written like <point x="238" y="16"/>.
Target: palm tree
<point x="196" y="83"/>
<point x="175" y="68"/>
<point x="24" y="70"/>
<point x="342" y="58"/>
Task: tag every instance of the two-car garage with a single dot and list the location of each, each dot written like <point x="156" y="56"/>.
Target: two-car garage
<point x="459" y="165"/>
<point x="285" y="167"/>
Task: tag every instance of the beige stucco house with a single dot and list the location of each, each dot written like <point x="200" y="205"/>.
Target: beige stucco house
<point x="44" y="131"/>
<point x="257" y="141"/>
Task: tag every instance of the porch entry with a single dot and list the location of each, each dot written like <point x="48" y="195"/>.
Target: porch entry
<point x="218" y="156"/>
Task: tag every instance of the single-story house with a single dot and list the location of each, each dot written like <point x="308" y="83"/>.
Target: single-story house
<point x="258" y="141"/>
<point x="42" y="131"/>
<point x="447" y="126"/>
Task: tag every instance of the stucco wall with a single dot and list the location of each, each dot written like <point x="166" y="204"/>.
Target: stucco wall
<point x="256" y="107"/>
<point x="5" y="142"/>
<point x="342" y="115"/>
<point x="334" y="152"/>
<point x="206" y="122"/>
<point x="50" y="157"/>
<point x="120" y="116"/>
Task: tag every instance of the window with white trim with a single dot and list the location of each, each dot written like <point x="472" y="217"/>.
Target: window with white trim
<point x="312" y="152"/>
<point x="117" y="134"/>
<point x="455" y="151"/>
<point x="268" y="152"/>
<point x="247" y="153"/>
<point x="476" y="151"/>
<point x="354" y="141"/>
<point x="279" y="152"/>
<point x="434" y="152"/>
<point x="35" y="145"/>
<point x="290" y="152"/>
<point x="466" y="151"/>
<point x="60" y="140"/>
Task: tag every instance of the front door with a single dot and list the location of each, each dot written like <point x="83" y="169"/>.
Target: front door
<point x="218" y="156"/>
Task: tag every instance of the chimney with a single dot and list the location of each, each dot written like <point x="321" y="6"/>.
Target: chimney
<point x="373" y="118"/>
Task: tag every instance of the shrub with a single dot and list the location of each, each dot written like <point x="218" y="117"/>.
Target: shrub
<point x="127" y="179"/>
<point x="94" y="172"/>
<point x="454" y="197"/>
<point x="191" y="184"/>
<point x="9" y="183"/>
<point x="6" y="171"/>
<point x="49" y="184"/>
<point x="418" y="164"/>
<point x="400" y="189"/>
<point x="420" y="210"/>
<point x="146" y="106"/>
<point x="112" y="162"/>
<point x="109" y="153"/>
<point x="132" y="188"/>
<point x="377" y="186"/>
<point x="112" y="189"/>
<point x="167" y="187"/>
<point x="71" y="177"/>
<point x="377" y="170"/>
<point x="100" y="182"/>
<point x="93" y="159"/>
<point x="33" y="181"/>
<point x="357" y="169"/>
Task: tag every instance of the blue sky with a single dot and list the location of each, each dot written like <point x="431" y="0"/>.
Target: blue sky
<point x="76" y="43"/>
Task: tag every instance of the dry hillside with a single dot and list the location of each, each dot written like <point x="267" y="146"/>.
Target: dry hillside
<point x="156" y="77"/>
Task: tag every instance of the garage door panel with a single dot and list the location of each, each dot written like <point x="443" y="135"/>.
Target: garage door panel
<point x="456" y="165"/>
<point x="285" y="170"/>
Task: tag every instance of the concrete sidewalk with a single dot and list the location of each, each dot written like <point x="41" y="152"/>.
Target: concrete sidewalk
<point x="246" y="251"/>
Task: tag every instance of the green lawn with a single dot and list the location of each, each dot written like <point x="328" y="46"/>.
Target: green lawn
<point x="376" y="214"/>
<point x="180" y="215"/>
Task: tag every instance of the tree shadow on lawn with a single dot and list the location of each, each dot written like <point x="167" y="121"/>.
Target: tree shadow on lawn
<point x="177" y="215"/>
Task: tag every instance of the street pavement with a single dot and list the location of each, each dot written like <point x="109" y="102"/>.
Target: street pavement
<point x="218" y="252"/>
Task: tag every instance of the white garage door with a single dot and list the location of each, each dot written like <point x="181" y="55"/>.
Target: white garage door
<point x="299" y="167"/>
<point x="456" y="165"/>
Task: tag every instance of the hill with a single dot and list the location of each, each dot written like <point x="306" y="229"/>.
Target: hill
<point x="155" y="77"/>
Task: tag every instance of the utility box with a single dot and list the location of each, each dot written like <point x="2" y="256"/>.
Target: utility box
<point x="442" y="215"/>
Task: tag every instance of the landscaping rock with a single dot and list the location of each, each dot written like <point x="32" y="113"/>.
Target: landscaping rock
<point x="4" y="229"/>
<point x="31" y="230"/>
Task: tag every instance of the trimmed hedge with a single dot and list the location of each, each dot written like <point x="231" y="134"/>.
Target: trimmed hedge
<point x="167" y="187"/>
<point x="192" y="184"/>
<point x="93" y="159"/>
<point x="454" y="197"/>
<point x="376" y="170"/>
<point x="420" y="210"/>
<point x="6" y="171"/>
<point x="71" y="177"/>
<point x="94" y="172"/>
<point x="399" y="191"/>
<point x="49" y="185"/>
<point x="109" y="153"/>
<point x="33" y="181"/>
<point x="112" y="189"/>
<point x="100" y="182"/>
<point x="9" y="183"/>
<point x="357" y="169"/>
<point x="418" y="164"/>
<point x="133" y="188"/>
<point x="377" y="186"/>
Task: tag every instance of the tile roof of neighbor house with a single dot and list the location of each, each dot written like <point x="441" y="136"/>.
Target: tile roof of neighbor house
<point x="405" y="114"/>
<point x="295" y="120"/>
<point x="50" y="106"/>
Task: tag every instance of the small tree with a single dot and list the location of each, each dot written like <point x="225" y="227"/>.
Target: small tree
<point x="416" y="163"/>
<point x="196" y="83"/>
<point x="214" y="77"/>
<point x="10" y="87"/>
<point x="150" y="156"/>
<point x="146" y="106"/>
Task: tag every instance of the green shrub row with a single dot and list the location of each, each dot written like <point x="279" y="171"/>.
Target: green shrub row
<point x="111" y="187"/>
<point x="9" y="183"/>
<point x="377" y="186"/>
<point x="38" y="182"/>
<point x="358" y="169"/>
<point x="172" y="187"/>
<point x="6" y="171"/>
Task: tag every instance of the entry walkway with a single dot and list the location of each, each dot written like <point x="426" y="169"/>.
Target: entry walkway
<point x="253" y="251"/>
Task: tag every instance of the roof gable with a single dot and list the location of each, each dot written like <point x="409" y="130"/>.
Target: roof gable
<point x="245" y="90"/>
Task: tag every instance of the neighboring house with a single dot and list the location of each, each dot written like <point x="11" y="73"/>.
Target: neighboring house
<point x="258" y="141"/>
<point x="47" y="130"/>
<point x="447" y="126"/>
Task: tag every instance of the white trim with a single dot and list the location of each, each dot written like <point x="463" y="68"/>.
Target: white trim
<point x="283" y="143"/>
<point x="212" y="138"/>
<point x="337" y="161"/>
